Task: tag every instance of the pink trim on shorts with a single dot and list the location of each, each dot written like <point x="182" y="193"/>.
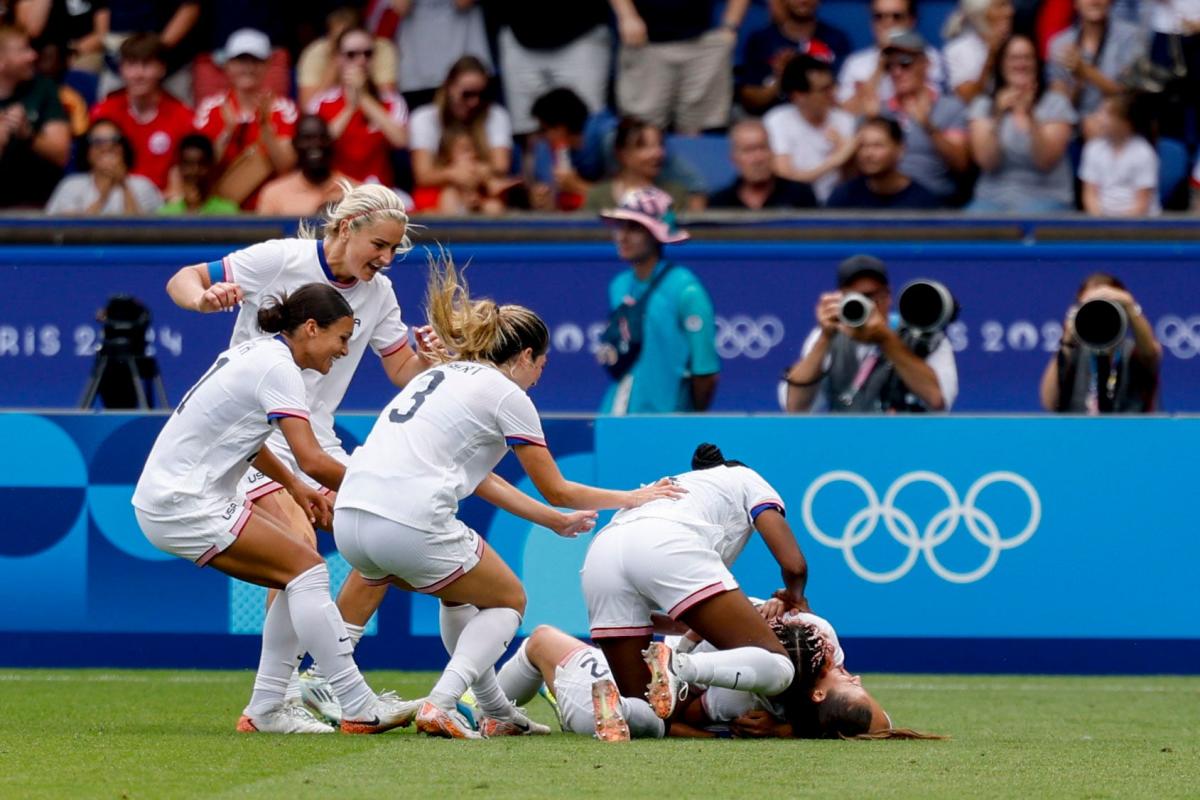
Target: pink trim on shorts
<point x="384" y="581"/>
<point x="453" y="576"/>
<point x="562" y="662"/>
<point x="712" y="590"/>
<point x="394" y="348"/>
<point x="262" y="491"/>
<point x="236" y="530"/>
<point x="617" y="633"/>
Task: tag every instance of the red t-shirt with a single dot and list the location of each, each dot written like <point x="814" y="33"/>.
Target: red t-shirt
<point x="362" y="151"/>
<point x="155" y="138"/>
<point x="211" y="122"/>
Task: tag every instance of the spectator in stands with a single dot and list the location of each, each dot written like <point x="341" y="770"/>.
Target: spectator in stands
<point x="794" y="30"/>
<point x="542" y="47"/>
<point x="757" y="186"/>
<point x="107" y="187"/>
<point x="151" y="119"/>
<point x="880" y="182"/>
<point x="1123" y="379"/>
<point x="1119" y="169"/>
<point x="812" y="140"/>
<point x="675" y="70"/>
<point x="471" y="189"/>
<point x="52" y="62"/>
<point x="315" y="183"/>
<point x="1087" y="59"/>
<point x="973" y="35"/>
<point x="1175" y="45"/>
<point x="195" y="167"/>
<point x="366" y="122"/>
<point x="177" y="24"/>
<point x="934" y="124"/>
<point x="251" y="128"/>
<point x="317" y="70"/>
<point x="677" y="366"/>
<point x="35" y="139"/>
<point x="434" y="35"/>
<point x="872" y="368"/>
<point x="1019" y="137"/>
<point x="76" y="29"/>
<point x="463" y="100"/>
<point x="862" y="82"/>
<point x="640" y="157"/>
<point x="576" y="144"/>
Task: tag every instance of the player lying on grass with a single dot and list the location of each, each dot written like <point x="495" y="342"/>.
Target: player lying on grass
<point x="675" y="556"/>
<point x="187" y="504"/>
<point x="436" y="443"/>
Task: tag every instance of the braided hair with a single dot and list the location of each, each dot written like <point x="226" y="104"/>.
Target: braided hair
<point x="708" y="455"/>
<point x="807" y="648"/>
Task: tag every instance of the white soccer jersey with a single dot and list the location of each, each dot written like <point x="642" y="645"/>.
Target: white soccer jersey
<point x="435" y="442"/>
<point x="283" y="265"/>
<point x="220" y="425"/>
<point x="721" y="505"/>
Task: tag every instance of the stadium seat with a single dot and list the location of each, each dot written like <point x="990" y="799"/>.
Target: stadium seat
<point x="1172" y="168"/>
<point x="708" y="154"/>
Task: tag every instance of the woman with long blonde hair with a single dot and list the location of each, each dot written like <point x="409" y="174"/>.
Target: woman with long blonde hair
<point x="436" y="443"/>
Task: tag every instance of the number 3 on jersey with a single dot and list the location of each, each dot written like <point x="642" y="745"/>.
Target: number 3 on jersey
<point x="433" y="379"/>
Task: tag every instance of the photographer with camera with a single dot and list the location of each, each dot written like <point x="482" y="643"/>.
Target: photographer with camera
<point x="856" y="360"/>
<point x="1098" y="369"/>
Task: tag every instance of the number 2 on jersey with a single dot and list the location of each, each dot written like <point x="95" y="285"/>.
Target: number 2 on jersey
<point x="418" y="399"/>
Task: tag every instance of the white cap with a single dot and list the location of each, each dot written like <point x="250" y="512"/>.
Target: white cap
<point x="247" y="42"/>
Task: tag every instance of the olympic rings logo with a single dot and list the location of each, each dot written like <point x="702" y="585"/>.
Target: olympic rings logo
<point x="751" y="337"/>
<point x="940" y="528"/>
<point x="1180" y="336"/>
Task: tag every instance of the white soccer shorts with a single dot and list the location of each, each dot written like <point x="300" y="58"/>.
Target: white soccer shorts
<point x="196" y="532"/>
<point x="380" y="548"/>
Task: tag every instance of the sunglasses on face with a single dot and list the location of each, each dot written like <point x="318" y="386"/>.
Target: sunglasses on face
<point x="97" y="141"/>
<point x="889" y="16"/>
<point x="367" y="53"/>
<point x="471" y="94"/>
<point x="900" y="62"/>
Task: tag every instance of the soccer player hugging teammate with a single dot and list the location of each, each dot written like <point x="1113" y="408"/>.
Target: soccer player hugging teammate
<point x="361" y="236"/>
<point x="438" y="440"/>
<point x="188" y="504"/>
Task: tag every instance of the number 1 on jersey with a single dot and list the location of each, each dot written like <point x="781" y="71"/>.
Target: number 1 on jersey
<point x="435" y="379"/>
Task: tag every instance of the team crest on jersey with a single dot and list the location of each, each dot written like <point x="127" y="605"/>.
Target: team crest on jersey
<point x="160" y="143"/>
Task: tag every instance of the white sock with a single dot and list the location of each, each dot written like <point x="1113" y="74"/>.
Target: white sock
<point x="643" y="722"/>
<point x="356" y="634"/>
<point x="480" y="644"/>
<point x="519" y="678"/>
<point x="322" y="632"/>
<point x="278" y="660"/>
<point x="452" y="621"/>
<point x="750" y="669"/>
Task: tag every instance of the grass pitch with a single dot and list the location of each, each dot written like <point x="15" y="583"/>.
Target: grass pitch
<point x="151" y="734"/>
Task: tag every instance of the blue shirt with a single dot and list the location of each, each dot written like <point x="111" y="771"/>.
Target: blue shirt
<point x="678" y="341"/>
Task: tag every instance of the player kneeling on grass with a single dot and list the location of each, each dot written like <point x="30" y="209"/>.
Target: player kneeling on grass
<point x="187" y="504"/>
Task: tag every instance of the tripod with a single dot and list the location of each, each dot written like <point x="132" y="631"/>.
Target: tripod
<point x="115" y="372"/>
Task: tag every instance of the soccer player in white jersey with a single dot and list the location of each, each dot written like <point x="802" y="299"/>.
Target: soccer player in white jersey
<point x="676" y="557"/>
<point x="187" y="504"/>
<point x="362" y="234"/>
<point x="436" y="443"/>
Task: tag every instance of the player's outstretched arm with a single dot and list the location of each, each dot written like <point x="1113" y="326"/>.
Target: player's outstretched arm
<point x="558" y="491"/>
<point x="780" y="540"/>
<point x="504" y="495"/>
<point x="191" y="288"/>
<point x="315" y="462"/>
<point x="317" y="506"/>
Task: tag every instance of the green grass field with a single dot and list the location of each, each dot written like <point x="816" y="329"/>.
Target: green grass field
<point x="150" y="734"/>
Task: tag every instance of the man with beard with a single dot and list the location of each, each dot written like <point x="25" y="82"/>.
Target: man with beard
<point x="794" y="31"/>
<point x="305" y="190"/>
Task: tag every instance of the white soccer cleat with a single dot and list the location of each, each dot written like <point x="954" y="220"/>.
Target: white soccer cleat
<point x="516" y="725"/>
<point x="318" y="695"/>
<point x="665" y="687"/>
<point x="387" y="711"/>
<point x="449" y="724"/>
<point x="283" y="718"/>
<point x="606" y="707"/>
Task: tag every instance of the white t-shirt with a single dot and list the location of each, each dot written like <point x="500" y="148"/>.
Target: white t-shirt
<point x="941" y="361"/>
<point x="1119" y="174"/>
<point x="1169" y="16"/>
<point x="860" y="66"/>
<point x="792" y="135"/>
<point x="425" y="128"/>
<point x="220" y="425"/>
<point x="720" y="506"/>
<point x="966" y="55"/>
<point x="725" y="705"/>
<point x="283" y="265"/>
<point x="436" y="441"/>
<point x="75" y="194"/>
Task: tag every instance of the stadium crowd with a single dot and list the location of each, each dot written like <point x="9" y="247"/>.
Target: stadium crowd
<point x="478" y="107"/>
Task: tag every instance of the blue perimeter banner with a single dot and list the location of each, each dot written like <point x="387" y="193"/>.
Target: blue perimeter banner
<point x="1013" y="296"/>
<point x="961" y="544"/>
